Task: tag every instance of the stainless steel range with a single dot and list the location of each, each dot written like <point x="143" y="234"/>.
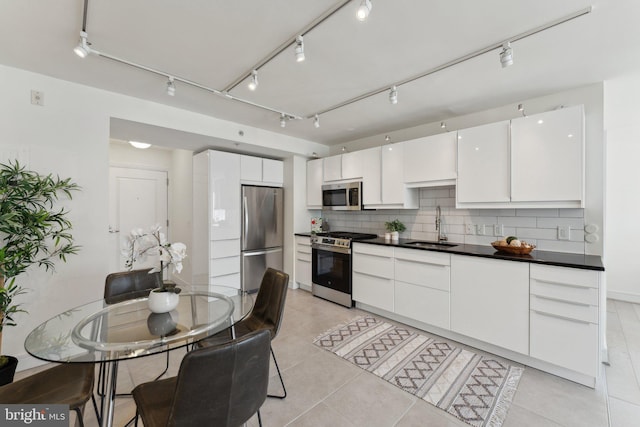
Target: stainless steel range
<point x="331" y="265"/>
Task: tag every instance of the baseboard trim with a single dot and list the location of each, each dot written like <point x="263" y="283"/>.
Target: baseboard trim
<point x="624" y="296"/>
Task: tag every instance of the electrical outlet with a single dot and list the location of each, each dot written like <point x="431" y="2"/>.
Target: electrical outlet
<point x="37" y="97"/>
<point x="480" y="229"/>
<point x="498" y="230"/>
<point x="564" y="232"/>
<point x="469" y="228"/>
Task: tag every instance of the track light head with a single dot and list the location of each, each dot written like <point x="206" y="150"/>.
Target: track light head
<point x="283" y="120"/>
<point x="363" y="11"/>
<point x="82" y="49"/>
<point x="299" y="49"/>
<point x="393" y="95"/>
<point x="443" y="125"/>
<point x="316" y="121"/>
<point x="506" y="55"/>
<point x="171" y="87"/>
<point x="253" y="83"/>
<point x="140" y="145"/>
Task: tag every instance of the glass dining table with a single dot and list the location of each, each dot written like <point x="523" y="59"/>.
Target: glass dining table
<point x="103" y="333"/>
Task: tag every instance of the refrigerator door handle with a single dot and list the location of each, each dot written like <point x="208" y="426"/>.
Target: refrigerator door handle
<point x="245" y="214"/>
<point x="256" y="253"/>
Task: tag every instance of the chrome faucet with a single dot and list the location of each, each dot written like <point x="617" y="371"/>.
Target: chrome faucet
<point x="441" y="237"/>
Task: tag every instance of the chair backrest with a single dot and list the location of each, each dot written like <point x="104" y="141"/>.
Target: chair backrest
<point x="128" y="285"/>
<point x="269" y="306"/>
<point x="222" y="385"/>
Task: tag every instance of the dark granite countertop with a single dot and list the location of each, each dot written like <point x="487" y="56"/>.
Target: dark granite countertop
<point x="561" y="259"/>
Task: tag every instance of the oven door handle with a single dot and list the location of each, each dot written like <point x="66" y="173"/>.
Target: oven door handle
<point x="325" y="248"/>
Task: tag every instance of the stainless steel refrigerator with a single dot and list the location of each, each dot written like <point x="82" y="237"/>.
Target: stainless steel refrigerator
<point x="262" y="233"/>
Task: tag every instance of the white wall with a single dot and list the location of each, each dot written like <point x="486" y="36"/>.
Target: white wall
<point x="622" y="129"/>
<point x="590" y="96"/>
<point x="69" y="136"/>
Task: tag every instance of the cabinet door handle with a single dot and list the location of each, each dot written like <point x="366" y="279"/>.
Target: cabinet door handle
<point x="542" y="313"/>
<point x="413" y="261"/>
<point x="568" y="285"/>
<point x="581" y="304"/>
<point x="373" y="275"/>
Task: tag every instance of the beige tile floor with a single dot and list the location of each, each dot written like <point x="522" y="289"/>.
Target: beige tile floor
<point x="325" y="390"/>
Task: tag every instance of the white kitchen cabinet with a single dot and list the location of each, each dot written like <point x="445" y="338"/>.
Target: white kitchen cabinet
<point x="373" y="282"/>
<point x="371" y="176"/>
<point x="303" y="262"/>
<point x="430" y="161"/>
<point x="422" y="286"/>
<point x="547" y="157"/>
<point x="490" y="301"/>
<point x="564" y="308"/>
<point x="343" y="166"/>
<point x="215" y="258"/>
<point x="394" y="194"/>
<point x="483" y="164"/>
<point x="259" y="171"/>
<point x="314" y="183"/>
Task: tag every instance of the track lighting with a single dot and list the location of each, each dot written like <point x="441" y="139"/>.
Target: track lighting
<point x="521" y="109"/>
<point x="82" y="49"/>
<point x="443" y="125"/>
<point x="171" y="87"/>
<point x="506" y="55"/>
<point x="393" y="95"/>
<point x="316" y="121"/>
<point x="299" y="50"/>
<point x="253" y="83"/>
<point x="140" y="145"/>
<point x="283" y="120"/>
<point x="363" y="11"/>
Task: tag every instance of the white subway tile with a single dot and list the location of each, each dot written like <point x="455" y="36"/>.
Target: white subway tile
<point x="537" y="212"/>
<point x="574" y="213"/>
<point x="561" y="246"/>
<point x="577" y="223"/>
<point x="517" y="221"/>
<point x="536" y="233"/>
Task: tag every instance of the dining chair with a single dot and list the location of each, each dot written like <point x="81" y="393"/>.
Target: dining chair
<point x="124" y="286"/>
<point x="222" y="385"/>
<point x="266" y="314"/>
<point x="65" y="384"/>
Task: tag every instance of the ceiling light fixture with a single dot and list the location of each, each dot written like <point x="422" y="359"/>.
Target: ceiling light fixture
<point x="82" y="49"/>
<point x="171" y="87"/>
<point x="316" y="121"/>
<point x="521" y="109"/>
<point x="283" y="120"/>
<point x="363" y="11"/>
<point x="299" y="50"/>
<point x="443" y="125"/>
<point x="253" y="83"/>
<point x="506" y="55"/>
<point x="393" y="95"/>
<point x="140" y="145"/>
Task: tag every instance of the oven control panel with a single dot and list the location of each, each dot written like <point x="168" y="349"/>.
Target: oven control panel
<point x="331" y="242"/>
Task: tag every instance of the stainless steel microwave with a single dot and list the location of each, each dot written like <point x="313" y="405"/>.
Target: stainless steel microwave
<point x="345" y="196"/>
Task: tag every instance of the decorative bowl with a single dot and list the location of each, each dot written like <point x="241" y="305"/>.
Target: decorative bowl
<point x="514" y="250"/>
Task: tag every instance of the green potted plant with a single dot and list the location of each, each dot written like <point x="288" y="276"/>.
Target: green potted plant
<point x="32" y="232"/>
<point x="394" y="228"/>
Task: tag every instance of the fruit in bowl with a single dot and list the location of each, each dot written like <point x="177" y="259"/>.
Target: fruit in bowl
<point x="513" y="245"/>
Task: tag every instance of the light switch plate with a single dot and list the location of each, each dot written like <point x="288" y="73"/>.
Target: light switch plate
<point x="564" y="232"/>
<point x="480" y="229"/>
<point x="469" y="229"/>
<point x="498" y="230"/>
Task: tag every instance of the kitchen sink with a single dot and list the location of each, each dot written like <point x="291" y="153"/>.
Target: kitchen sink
<point x="427" y="244"/>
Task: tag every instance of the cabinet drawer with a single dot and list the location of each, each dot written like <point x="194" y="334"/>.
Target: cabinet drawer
<point x="303" y="272"/>
<point x="230" y="280"/>
<point x="422" y="274"/>
<point x="569" y="293"/>
<point x="577" y="311"/>
<point x="378" y="250"/>
<point x="224" y="266"/>
<point x="303" y="248"/>
<point x="424" y="304"/>
<point x="375" y="291"/>
<point x="562" y="275"/>
<point x="225" y="248"/>
<point x="302" y="256"/>
<point x="427" y="257"/>
<point x="549" y="338"/>
<point x="373" y="265"/>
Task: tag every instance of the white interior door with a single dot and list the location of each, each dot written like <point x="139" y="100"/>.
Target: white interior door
<point x="137" y="199"/>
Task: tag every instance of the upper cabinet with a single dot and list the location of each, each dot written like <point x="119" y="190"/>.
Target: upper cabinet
<point x="483" y="164"/>
<point x="430" y="161"/>
<point x="530" y="162"/>
<point x="547" y="157"/>
<point x="382" y="179"/>
<point x="259" y="171"/>
<point x="371" y="177"/>
<point x="343" y="166"/>
<point x="314" y="183"/>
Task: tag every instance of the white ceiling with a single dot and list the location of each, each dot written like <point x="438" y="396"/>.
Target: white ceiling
<point x="214" y="42"/>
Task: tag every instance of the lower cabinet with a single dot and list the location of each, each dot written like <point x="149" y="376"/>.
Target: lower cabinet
<point x="303" y="262"/>
<point x="422" y="286"/>
<point x="373" y="282"/>
<point x="564" y="309"/>
<point x="490" y="301"/>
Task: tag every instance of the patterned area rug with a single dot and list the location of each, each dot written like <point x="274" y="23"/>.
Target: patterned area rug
<point x="476" y="389"/>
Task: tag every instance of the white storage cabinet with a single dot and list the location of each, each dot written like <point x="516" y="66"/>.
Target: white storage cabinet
<point x="373" y="282"/>
<point x="303" y="262"/>
<point x="430" y="161"/>
<point x="314" y="183"/>
<point x="259" y="171"/>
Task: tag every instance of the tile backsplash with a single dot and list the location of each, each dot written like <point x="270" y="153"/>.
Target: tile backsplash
<point x="471" y="226"/>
